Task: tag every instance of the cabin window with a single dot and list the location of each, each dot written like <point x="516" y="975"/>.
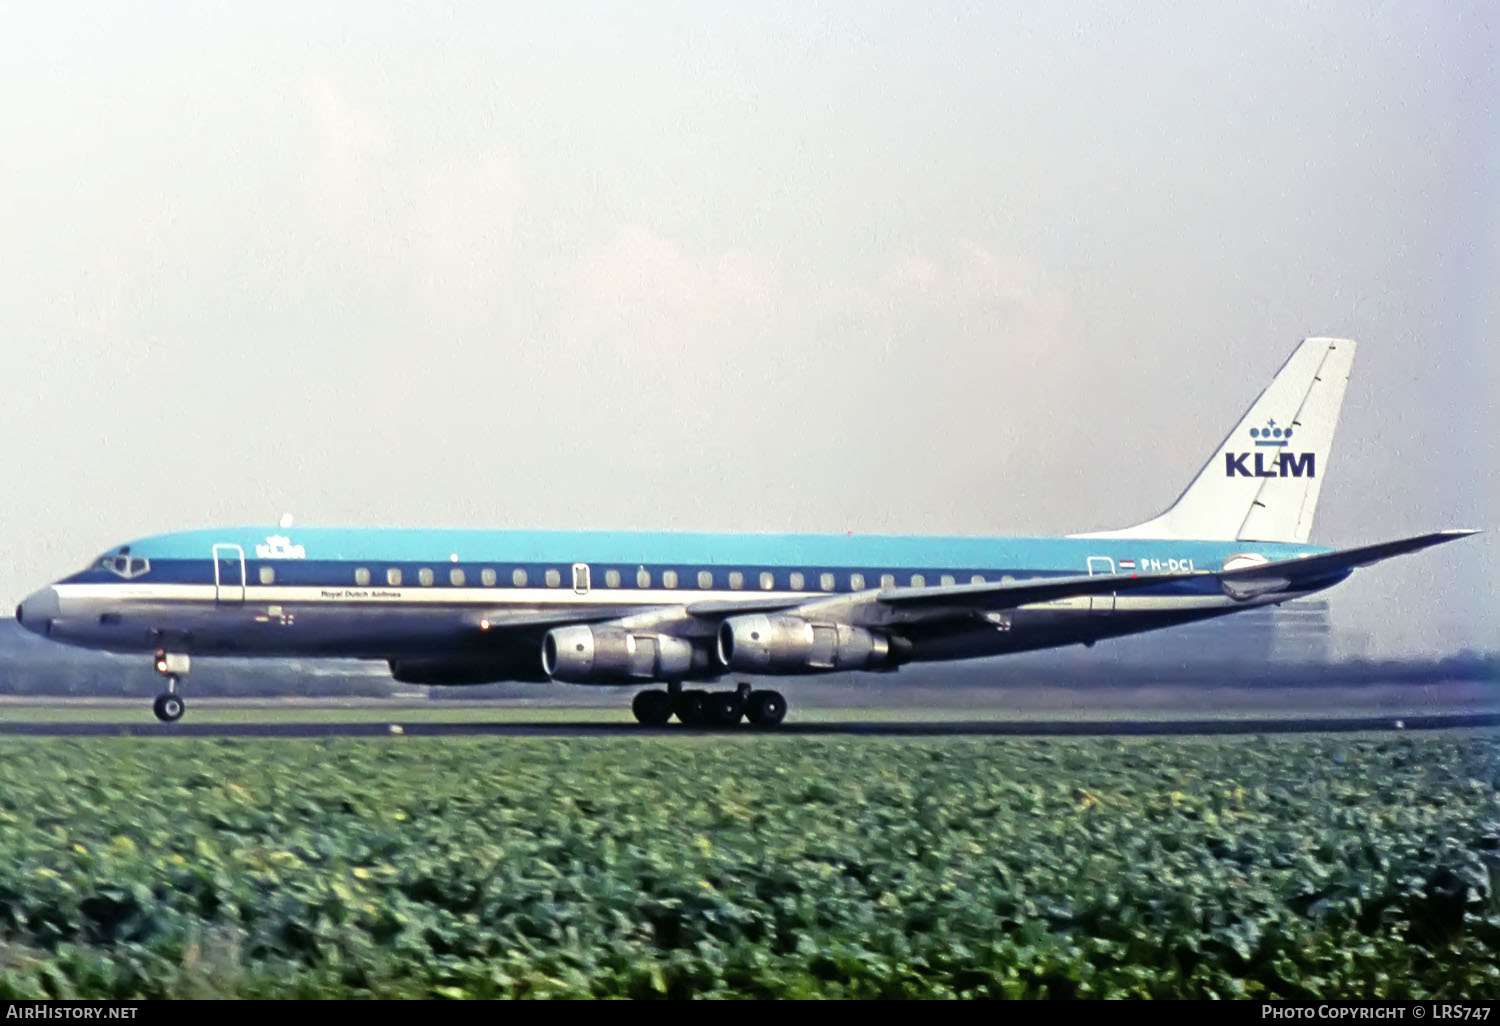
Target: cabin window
<point x="393" y="576"/>
<point x="362" y="577"/>
<point x="611" y="578"/>
<point x="669" y="578"/>
<point x="580" y="577"/>
<point x="424" y="576"/>
<point x="705" y="579"/>
<point x="487" y="577"/>
<point x="456" y="577"/>
<point x="918" y="581"/>
<point x="643" y="578"/>
<point x="856" y="582"/>
<point x="797" y="580"/>
<point x="887" y="580"/>
<point x="767" y="580"/>
<point x="948" y="580"/>
<point x="554" y="578"/>
<point x="825" y="581"/>
<point x="518" y="577"/>
<point x="1007" y="579"/>
<point x="736" y="580"/>
<point x="267" y="575"/>
<point x="977" y="579"/>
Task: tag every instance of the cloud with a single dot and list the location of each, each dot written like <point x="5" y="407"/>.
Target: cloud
<point x="643" y="286"/>
<point x="351" y="143"/>
<point x="971" y="275"/>
<point x="426" y="224"/>
<point x="463" y="223"/>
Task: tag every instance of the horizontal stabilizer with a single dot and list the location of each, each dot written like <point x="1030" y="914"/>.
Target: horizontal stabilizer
<point x="1328" y="563"/>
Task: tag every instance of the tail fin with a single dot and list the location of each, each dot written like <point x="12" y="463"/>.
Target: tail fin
<point x="1262" y="483"/>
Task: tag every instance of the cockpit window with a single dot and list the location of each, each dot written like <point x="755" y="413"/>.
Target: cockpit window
<point x="122" y="564"/>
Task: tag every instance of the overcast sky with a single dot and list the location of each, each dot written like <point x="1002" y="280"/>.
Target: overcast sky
<point x="936" y="268"/>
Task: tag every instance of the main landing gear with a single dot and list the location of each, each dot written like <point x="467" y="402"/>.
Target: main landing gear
<point x="709" y="708"/>
<point x="169" y="705"/>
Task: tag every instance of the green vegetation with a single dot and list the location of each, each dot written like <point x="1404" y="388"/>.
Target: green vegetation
<point x="755" y="866"/>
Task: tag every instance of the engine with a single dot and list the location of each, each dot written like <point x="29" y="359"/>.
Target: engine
<point x="789" y="644"/>
<point x="605" y="655"/>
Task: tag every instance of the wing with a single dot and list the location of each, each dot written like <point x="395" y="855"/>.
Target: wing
<point x="534" y="620"/>
<point x="1010" y="594"/>
<point x="960" y="601"/>
<point x="894" y="605"/>
<point x="875" y="607"/>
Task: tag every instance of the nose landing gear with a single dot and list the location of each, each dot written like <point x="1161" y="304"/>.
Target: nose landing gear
<point x="169" y="705"/>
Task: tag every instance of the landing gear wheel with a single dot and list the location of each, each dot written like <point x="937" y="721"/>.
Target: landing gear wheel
<point x="168" y="707"/>
<point x="690" y="707"/>
<point x="652" y="708"/>
<point x="766" y="708"/>
<point x="724" y="709"/>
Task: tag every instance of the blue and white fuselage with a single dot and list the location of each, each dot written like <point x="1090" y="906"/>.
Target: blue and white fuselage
<point x="402" y="594"/>
<point x="589" y="607"/>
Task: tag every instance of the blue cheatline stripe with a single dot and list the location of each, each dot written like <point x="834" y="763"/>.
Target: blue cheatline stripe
<point x="808" y="552"/>
<point x="342" y="574"/>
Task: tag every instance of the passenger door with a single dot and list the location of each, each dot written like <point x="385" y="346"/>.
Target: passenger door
<point x="1101" y="603"/>
<point x="229" y="573"/>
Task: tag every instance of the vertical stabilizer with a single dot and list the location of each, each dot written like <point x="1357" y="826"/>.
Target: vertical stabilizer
<point x="1262" y="483"/>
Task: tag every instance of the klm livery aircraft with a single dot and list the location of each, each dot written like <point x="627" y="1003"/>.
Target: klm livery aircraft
<point x="469" y="607"/>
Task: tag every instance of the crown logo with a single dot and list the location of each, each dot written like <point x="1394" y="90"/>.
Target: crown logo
<point x="279" y="546"/>
<point x="1271" y="434"/>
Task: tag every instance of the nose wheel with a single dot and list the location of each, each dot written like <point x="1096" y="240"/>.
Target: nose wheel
<point x="169" y="706"/>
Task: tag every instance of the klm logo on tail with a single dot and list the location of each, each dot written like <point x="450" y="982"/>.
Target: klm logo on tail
<point x="1270" y="464"/>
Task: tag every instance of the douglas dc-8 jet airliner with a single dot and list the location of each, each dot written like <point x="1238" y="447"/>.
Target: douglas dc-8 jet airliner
<point x="673" y="610"/>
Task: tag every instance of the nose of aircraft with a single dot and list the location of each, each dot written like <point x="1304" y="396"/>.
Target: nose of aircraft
<point x="37" y="611"/>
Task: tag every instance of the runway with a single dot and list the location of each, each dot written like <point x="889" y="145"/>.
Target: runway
<point x="811" y="728"/>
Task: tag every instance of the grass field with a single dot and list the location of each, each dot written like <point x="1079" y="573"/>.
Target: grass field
<point x="751" y="866"/>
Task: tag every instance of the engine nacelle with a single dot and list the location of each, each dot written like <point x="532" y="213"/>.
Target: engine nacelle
<point x="604" y="655"/>
<point x="790" y="644"/>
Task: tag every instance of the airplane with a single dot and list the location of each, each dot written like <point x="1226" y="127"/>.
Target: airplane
<point x="457" y="607"/>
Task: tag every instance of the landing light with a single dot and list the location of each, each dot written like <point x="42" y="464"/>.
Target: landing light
<point x="484" y="625"/>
